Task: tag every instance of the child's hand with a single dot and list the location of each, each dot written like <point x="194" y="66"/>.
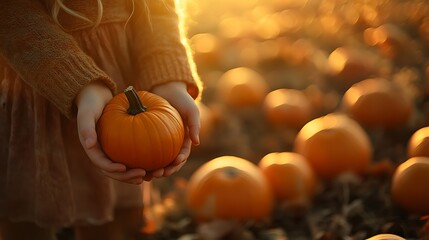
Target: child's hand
<point x="176" y="94"/>
<point x="90" y="103"/>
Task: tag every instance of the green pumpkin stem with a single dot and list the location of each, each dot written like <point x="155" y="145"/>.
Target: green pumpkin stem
<point x="136" y="105"/>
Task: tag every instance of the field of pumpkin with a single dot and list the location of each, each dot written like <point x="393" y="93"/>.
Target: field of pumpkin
<point x="315" y="124"/>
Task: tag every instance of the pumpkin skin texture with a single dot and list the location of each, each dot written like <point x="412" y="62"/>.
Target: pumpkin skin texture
<point x="241" y="87"/>
<point x="410" y="188"/>
<point x="289" y="175"/>
<point x="287" y="107"/>
<point x="418" y="145"/>
<point x="149" y="140"/>
<point x="229" y="187"/>
<point x="386" y="237"/>
<point x="377" y="102"/>
<point x="334" y="144"/>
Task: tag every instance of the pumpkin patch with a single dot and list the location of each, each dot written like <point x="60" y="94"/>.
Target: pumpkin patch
<point x="313" y="124"/>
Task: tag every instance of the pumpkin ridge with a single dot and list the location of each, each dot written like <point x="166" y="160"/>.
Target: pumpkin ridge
<point x="170" y="136"/>
<point x="135" y="156"/>
<point x="176" y="130"/>
<point x="149" y="138"/>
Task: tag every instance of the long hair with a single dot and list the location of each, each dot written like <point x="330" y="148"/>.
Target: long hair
<point x="58" y="5"/>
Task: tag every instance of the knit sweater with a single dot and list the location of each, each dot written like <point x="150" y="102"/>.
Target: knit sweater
<point x="48" y="59"/>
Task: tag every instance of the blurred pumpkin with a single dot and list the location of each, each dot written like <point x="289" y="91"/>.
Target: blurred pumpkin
<point x="289" y="175"/>
<point x="410" y="188"/>
<point x="424" y="29"/>
<point x="377" y="102"/>
<point x="386" y="237"/>
<point x="229" y="187"/>
<point x="206" y="48"/>
<point x="350" y="65"/>
<point x="418" y="145"/>
<point x="394" y="43"/>
<point x="334" y="144"/>
<point x="287" y="107"/>
<point x="140" y="130"/>
<point x="242" y="87"/>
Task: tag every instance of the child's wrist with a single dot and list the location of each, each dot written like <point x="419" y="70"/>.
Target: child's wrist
<point x="97" y="88"/>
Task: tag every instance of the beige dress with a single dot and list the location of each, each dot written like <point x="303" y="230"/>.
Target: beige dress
<point x="45" y="176"/>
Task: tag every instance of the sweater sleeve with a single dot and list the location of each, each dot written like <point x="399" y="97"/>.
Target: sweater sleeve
<point x="45" y="57"/>
<point x="160" y="49"/>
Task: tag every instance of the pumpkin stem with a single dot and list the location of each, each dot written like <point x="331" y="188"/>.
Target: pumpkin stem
<point x="136" y="105"/>
<point x="230" y="172"/>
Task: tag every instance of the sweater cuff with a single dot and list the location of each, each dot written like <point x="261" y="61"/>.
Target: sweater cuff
<point x="163" y="68"/>
<point x="62" y="82"/>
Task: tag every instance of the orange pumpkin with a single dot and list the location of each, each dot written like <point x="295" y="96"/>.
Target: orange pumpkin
<point x="287" y="107"/>
<point x="206" y="48"/>
<point x="140" y="130"/>
<point x="386" y="237"/>
<point x="289" y="175"/>
<point x="350" y="65"/>
<point x="334" y="144"/>
<point x="377" y="102"/>
<point x="410" y="188"/>
<point x="242" y="87"/>
<point x="394" y="43"/>
<point x="418" y="145"/>
<point x="229" y="187"/>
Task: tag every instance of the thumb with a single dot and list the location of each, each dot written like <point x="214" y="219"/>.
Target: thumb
<point x="194" y="129"/>
<point x="86" y="129"/>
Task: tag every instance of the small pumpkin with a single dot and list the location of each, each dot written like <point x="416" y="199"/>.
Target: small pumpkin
<point x="140" y="130"/>
<point x="377" y="102"/>
<point x="394" y="43"/>
<point x="418" y="145"/>
<point x="290" y="176"/>
<point x="350" y="65"/>
<point x="229" y="187"/>
<point x="206" y="48"/>
<point x="287" y="107"/>
<point x="334" y="144"/>
<point x="386" y="236"/>
<point x="410" y="188"/>
<point x="241" y="87"/>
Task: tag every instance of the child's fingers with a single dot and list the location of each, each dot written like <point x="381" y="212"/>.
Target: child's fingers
<point x="184" y="153"/>
<point x="99" y="159"/>
<point x="88" y="138"/>
<point x="194" y="125"/>
<point x="158" y="173"/>
<point x="86" y="128"/>
<point x="134" y="176"/>
<point x="173" y="169"/>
